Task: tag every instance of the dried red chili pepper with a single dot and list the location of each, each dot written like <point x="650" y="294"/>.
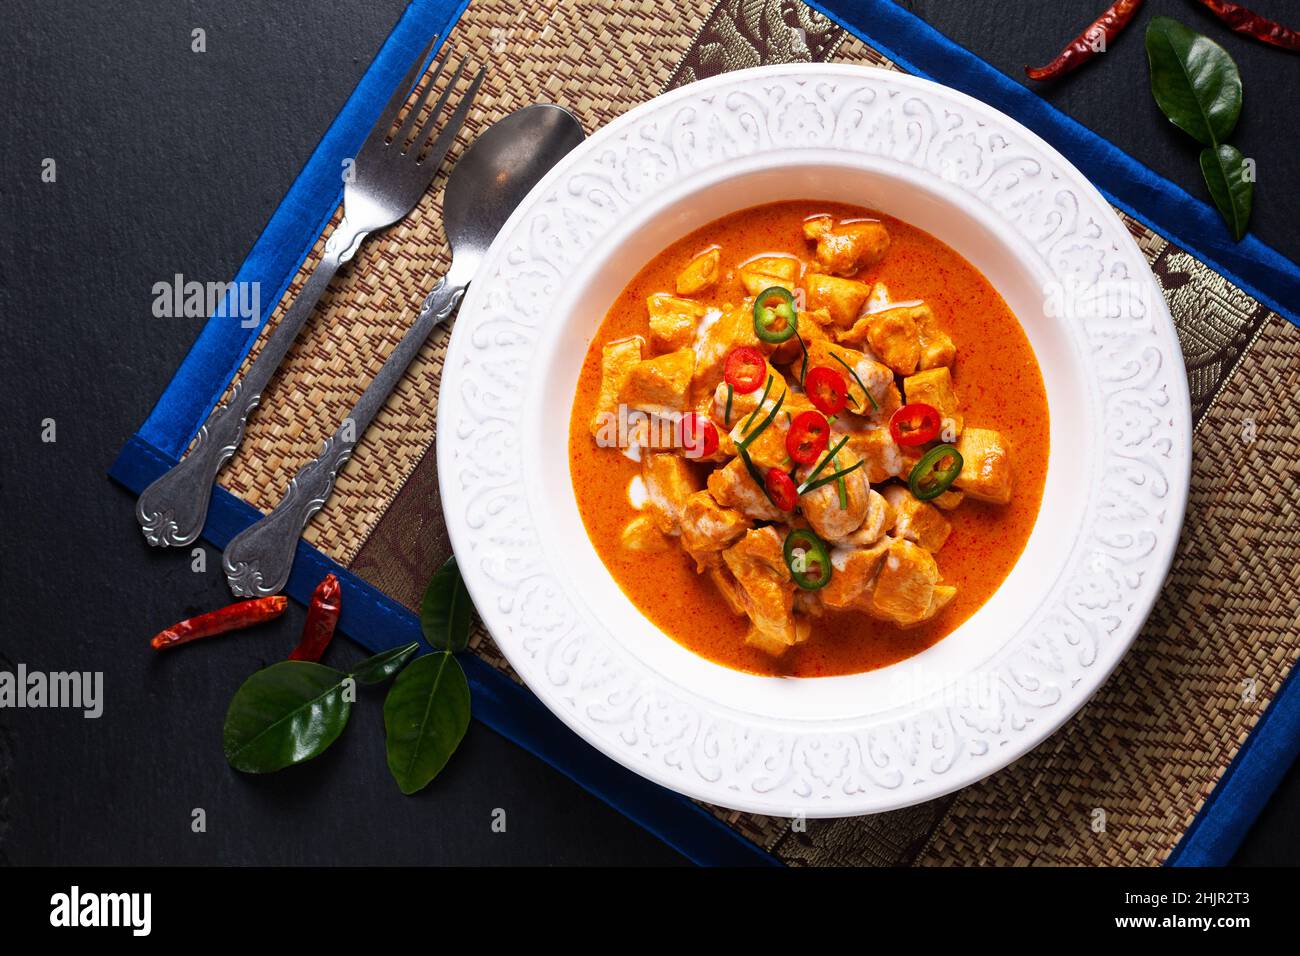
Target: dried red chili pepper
<point x="232" y="618"/>
<point x="322" y="615"/>
<point x="1088" y="43"/>
<point x="1249" y="23"/>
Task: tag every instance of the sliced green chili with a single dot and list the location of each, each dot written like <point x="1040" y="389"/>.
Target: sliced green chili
<point x="930" y="477"/>
<point x="805" y="555"/>
<point x="865" y="391"/>
<point x="774" y="323"/>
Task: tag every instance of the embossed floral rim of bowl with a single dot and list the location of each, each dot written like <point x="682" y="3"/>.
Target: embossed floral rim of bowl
<point x="1117" y="476"/>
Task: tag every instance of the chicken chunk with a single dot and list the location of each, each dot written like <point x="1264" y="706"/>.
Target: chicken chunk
<point x="743" y="404"/>
<point x="766" y="591"/>
<point x="907" y="590"/>
<point x="762" y="273"/>
<point x="725" y="582"/>
<point x="659" y="386"/>
<point x="642" y="534"/>
<point x="986" y="466"/>
<point x="934" y="387"/>
<point x="892" y="334"/>
<point x="812" y="328"/>
<point x="853" y="575"/>
<point x="878" y="520"/>
<point x="672" y="321"/>
<point x="616" y="361"/>
<point x="882" y="457"/>
<point x="841" y="298"/>
<point x="859" y="371"/>
<point x="766" y="448"/>
<point x="708" y="527"/>
<point x="701" y="273"/>
<point x="669" y="482"/>
<point x="730" y="329"/>
<point x="652" y="432"/>
<point x="822" y="506"/>
<point x="949" y="500"/>
<point x="915" y="520"/>
<point x="849" y="247"/>
<point x="936" y="345"/>
<point x="733" y="487"/>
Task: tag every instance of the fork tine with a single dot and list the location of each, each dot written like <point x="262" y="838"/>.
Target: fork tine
<point x="385" y="121"/>
<point x="443" y="144"/>
<point x="432" y="123"/>
<point x="408" y="124"/>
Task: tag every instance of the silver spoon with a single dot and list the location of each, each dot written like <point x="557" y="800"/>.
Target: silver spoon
<point x="492" y="177"/>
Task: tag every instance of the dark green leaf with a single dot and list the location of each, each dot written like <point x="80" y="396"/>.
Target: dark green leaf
<point x="377" y="669"/>
<point x="285" y="714"/>
<point x="444" y="612"/>
<point x="1225" y="173"/>
<point x="1194" y="80"/>
<point x="425" y="717"/>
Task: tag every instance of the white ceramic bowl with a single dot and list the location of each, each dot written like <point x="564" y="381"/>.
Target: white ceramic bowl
<point x="1117" y="476"/>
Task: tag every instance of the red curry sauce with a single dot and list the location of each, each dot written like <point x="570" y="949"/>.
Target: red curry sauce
<point x="997" y="380"/>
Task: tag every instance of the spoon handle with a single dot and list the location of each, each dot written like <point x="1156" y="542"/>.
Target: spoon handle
<point x="172" y="510"/>
<point x="258" y="560"/>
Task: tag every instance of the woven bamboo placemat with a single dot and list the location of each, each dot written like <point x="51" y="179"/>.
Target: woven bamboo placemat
<point x="1122" y="781"/>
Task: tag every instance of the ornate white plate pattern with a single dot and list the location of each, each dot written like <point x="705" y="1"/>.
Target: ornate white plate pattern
<point x="1133" y="449"/>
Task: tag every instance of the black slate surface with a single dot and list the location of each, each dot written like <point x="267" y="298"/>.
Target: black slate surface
<point x="171" y="162"/>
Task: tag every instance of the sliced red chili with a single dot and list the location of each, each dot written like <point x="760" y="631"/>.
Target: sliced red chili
<point x="745" y="369"/>
<point x="935" y="472"/>
<point x="231" y="618"/>
<point x="781" y="489"/>
<point x="699" y="436"/>
<point x="915" y="424"/>
<point x="775" y="317"/>
<point x="322" y="615"/>
<point x="827" y="390"/>
<point x="805" y="555"/>
<point x="808" y="436"/>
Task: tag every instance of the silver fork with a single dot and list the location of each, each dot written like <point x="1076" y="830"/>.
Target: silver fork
<point x="386" y="182"/>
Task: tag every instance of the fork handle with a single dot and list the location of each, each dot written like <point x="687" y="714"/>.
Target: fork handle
<point x="171" y="511"/>
<point x="258" y="560"/>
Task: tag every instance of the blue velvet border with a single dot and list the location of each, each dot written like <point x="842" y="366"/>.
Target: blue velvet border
<point x="1150" y="198"/>
<point x="378" y="622"/>
<point x="1246" y="784"/>
<point x="1273" y="745"/>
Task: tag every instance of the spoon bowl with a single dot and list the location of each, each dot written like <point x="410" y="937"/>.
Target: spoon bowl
<point x="496" y="172"/>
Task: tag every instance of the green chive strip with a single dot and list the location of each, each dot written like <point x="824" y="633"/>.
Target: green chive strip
<point x="762" y="398"/>
<point x="754" y="473"/>
<point x="803" y="372"/>
<point x="829" y="478"/>
<point x="762" y="426"/>
<point x="829" y="455"/>
<point x="727" y="416"/>
<point x="874" y="404"/>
